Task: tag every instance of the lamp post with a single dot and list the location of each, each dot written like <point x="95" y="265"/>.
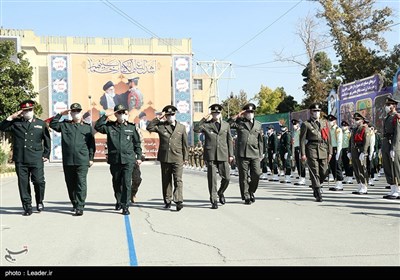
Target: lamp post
<point x="229" y="101"/>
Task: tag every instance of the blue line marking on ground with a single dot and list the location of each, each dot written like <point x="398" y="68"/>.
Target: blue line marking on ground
<point x="131" y="243"/>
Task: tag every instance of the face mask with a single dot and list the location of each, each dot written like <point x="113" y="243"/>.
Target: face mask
<point x="387" y="109"/>
<point x="76" y="116"/>
<point x="122" y="118"/>
<point x="249" y="116"/>
<point x="316" y="114"/>
<point x="171" y="118"/>
<point x="216" y="116"/>
<point x="28" y="115"/>
<point x="295" y="127"/>
<point x="331" y="123"/>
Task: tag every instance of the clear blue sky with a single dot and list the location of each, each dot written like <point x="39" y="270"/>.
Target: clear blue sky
<point x="242" y="32"/>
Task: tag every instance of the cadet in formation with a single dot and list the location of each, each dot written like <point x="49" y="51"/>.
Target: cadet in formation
<point x="172" y="154"/>
<point x="218" y="152"/>
<point x="285" y="153"/>
<point x="299" y="164"/>
<point x="124" y="150"/>
<point x="249" y="150"/>
<point x="391" y="148"/>
<point x="32" y="145"/>
<point x="78" y="147"/>
<point x="316" y="148"/>
<point x="336" y="135"/>
<point x="348" y="169"/>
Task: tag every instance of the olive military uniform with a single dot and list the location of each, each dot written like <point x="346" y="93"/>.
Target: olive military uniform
<point x="218" y="148"/>
<point x="315" y="144"/>
<point x="172" y="152"/>
<point x="249" y="151"/>
<point x="31" y="145"/>
<point x="124" y="148"/>
<point x="78" y="148"/>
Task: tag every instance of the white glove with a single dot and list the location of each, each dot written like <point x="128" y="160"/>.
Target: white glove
<point x="392" y="154"/>
<point x="273" y="156"/>
<point x="285" y="156"/>
<point x="337" y="156"/>
<point x="362" y="157"/>
<point x="349" y="155"/>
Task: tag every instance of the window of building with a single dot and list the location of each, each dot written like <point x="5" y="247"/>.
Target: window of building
<point x="198" y="106"/>
<point x="198" y="84"/>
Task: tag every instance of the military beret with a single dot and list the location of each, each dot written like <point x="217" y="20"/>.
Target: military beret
<point x="75" y="106"/>
<point x="108" y="85"/>
<point x="119" y="107"/>
<point x="315" y="107"/>
<point x="294" y="121"/>
<point x="134" y="80"/>
<point x="358" y="116"/>
<point x="249" y="107"/>
<point x="169" y="110"/>
<point x="142" y="114"/>
<point x="215" y="108"/>
<point x="344" y="123"/>
<point x="390" y="100"/>
<point x="27" y="104"/>
<point x="331" y="117"/>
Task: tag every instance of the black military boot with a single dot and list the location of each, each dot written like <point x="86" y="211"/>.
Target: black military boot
<point x="40" y="207"/>
<point x="214" y="205"/>
<point x="179" y="206"/>
<point x="252" y="198"/>
<point x="125" y="211"/>
<point x="27" y="210"/>
<point x="318" y="196"/>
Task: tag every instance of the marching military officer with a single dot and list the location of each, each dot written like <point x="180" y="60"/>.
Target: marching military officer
<point x="124" y="150"/>
<point x="285" y="153"/>
<point x="172" y="154"/>
<point x="359" y="144"/>
<point x="218" y="152"/>
<point x="78" y="148"/>
<point x="317" y="151"/>
<point x="299" y="164"/>
<point x="336" y="135"/>
<point x="272" y="149"/>
<point x="391" y="148"/>
<point x="249" y="150"/>
<point x="348" y="169"/>
<point x="31" y="140"/>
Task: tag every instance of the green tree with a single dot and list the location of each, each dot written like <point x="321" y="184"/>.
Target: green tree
<point x="392" y="63"/>
<point x="234" y="104"/>
<point x="268" y="100"/>
<point x="353" y="24"/>
<point x="288" y="104"/>
<point x="15" y="81"/>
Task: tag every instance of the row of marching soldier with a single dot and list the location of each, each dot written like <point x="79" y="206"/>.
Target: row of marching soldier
<point x="319" y="145"/>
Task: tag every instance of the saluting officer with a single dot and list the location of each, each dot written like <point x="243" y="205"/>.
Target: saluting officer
<point x="391" y="148"/>
<point x="359" y="144"/>
<point x="316" y="148"/>
<point x="31" y="140"/>
<point x="218" y="152"/>
<point x="78" y="148"/>
<point x="249" y="150"/>
<point x="336" y="135"/>
<point x="172" y="153"/>
<point x="124" y="150"/>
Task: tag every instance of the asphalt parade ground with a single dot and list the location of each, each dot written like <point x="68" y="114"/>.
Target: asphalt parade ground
<point x="284" y="227"/>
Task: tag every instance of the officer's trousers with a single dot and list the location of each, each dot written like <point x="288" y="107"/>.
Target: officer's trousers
<point x="301" y="170"/>
<point x="224" y="172"/>
<point x="387" y="161"/>
<point x="318" y="170"/>
<point x="336" y="165"/>
<point x="348" y="169"/>
<point x="136" y="179"/>
<point x="122" y="182"/>
<point x="246" y="164"/>
<point x="76" y="180"/>
<point x="35" y="172"/>
<point x="359" y="167"/>
<point x="169" y="171"/>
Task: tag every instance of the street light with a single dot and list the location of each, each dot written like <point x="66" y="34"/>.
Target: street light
<point x="229" y="101"/>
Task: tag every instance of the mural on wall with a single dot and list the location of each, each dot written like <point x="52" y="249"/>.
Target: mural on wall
<point x="141" y="83"/>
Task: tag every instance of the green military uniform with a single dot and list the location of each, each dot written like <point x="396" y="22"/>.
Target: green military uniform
<point x="348" y="169"/>
<point x="391" y="149"/>
<point x="137" y="173"/>
<point x="315" y="144"/>
<point x="285" y="153"/>
<point x="249" y="151"/>
<point x="78" y="148"/>
<point x="359" y="144"/>
<point x="124" y="148"/>
<point x="31" y="144"/>
<point x="218" y="148"/>
<point x="172" y="152"/>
